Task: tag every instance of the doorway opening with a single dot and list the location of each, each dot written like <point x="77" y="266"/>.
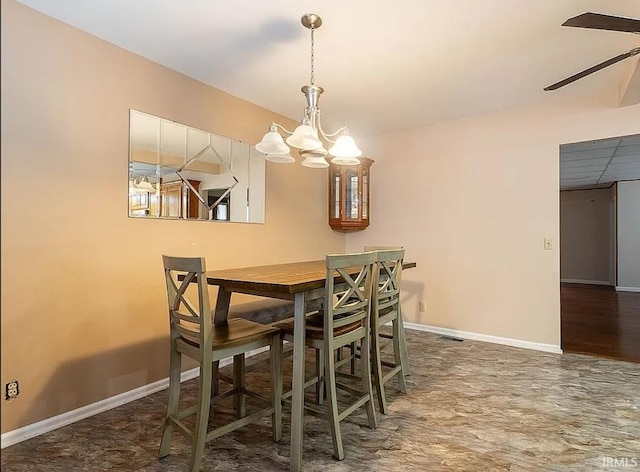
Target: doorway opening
<point x="600" y="247"/>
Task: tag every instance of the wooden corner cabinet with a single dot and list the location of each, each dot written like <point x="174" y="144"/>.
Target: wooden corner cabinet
<point x="349" y="191"/>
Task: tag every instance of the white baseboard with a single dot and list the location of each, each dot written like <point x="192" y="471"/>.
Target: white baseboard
<point x="627" y="289"/>
<point x="36" y="429"/>
<point x="589" y="282"/>
<point x="485" y="338"/>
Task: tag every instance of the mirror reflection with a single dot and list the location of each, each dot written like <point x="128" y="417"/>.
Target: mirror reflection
<point x="176" y="171"/>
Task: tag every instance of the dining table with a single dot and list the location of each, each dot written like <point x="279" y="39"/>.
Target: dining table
<point x="300" y="282"/>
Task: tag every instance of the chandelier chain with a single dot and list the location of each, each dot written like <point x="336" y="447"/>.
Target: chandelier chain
<point x="312" y="55"/>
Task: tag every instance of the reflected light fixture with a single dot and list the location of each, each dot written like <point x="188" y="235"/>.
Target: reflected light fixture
<point x="141" y="186"/>
<point x="306" y="137"/>
<point x="145" y="185"/>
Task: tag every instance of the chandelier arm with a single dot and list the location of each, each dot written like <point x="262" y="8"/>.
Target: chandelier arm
<point x="325" y="135"/>
<point x="282" y="128"/>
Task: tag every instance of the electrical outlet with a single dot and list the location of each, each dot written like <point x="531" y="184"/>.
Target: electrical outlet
<point x="12" y="390"/>
<point x="548" y="244"/>
<point x="421" y="307"/>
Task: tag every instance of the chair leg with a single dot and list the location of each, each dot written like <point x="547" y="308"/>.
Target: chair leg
<point x="175" y="363"/>
<point x="378" y="374"/>
<point x="215" y="381"/>
<point x="320" y="372"/>
<point x="330" y="373"/>
<point x="398" y="340"/>
<point x="365" y="355"/>
<point x="352" y="349"/>
<point x="276" y="386"/>
<point x="238" y="385"/>
<point x="202" y="418"/>
<point x="403" y="344"/>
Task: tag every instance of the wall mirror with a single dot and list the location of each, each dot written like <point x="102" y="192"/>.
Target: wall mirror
<point x="180" y="172"/>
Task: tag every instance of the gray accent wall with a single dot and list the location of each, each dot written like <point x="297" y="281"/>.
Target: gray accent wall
<point x="586" y="236"/>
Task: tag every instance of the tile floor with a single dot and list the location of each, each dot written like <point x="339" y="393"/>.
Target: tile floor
<point x="472" y="406"/>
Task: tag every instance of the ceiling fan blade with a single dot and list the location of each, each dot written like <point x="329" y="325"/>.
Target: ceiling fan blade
<point x="604" y="22"/>
<point x="593" y="69"/>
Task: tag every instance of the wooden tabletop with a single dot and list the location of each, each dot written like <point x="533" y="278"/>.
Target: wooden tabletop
<point x="288" y="278"/>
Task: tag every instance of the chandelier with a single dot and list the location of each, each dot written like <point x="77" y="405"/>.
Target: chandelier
<point x="306" y="137"/>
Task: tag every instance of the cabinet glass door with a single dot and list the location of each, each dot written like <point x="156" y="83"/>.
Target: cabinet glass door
<point x="352" y="197"/>
<point x="365" y="194"/>
<point x="334" y="198"/>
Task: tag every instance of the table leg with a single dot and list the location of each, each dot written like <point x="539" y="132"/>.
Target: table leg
<point x="297" y="405"/>
<point x="222" y="306"/>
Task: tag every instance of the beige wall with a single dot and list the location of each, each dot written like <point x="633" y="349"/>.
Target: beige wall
<point x="472" y="201"/>
<point x="83" y="302"/>
<point x="629" y="234"/>
<point x="586" y="230"/>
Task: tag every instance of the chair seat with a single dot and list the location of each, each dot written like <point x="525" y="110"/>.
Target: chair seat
<point x="315" y="327"/>
<point x="234" y="333"/>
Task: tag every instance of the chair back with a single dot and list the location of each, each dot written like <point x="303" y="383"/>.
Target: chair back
<point x="348" y="290"/>
<point x="380" y="248"/>
<point x="186" y="319"/>
<point x="388" y="277"/>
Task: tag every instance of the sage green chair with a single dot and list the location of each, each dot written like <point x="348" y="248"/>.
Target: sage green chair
<point x="345" y="319"/>
<point x="386" y="309"/>
<point x="194" y="335"/>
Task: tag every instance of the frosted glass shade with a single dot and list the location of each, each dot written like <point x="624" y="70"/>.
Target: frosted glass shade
<point x="272" y="143"/>
<point x="315" y="162"/>
<point x="145" y="186"/>
<point x="346" y="161"/>
<point x="345" y="147"/>
<point x="314" y="158"/>
<point x="280" y="158"/>
<point x="304" y="137"/>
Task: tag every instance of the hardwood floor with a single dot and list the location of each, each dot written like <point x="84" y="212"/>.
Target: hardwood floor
<point x="599" y="321"/>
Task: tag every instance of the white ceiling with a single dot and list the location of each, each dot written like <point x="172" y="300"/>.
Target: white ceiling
<point x="384" y="65"/>
<point x="597" y="164"/>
